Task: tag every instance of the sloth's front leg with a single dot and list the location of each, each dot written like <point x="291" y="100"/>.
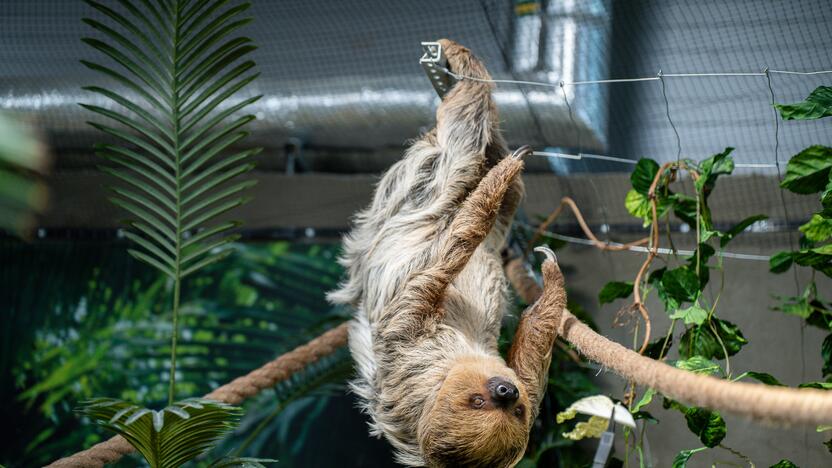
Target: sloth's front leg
<point x="418" y="304"/>
<point x="531" y="350"/>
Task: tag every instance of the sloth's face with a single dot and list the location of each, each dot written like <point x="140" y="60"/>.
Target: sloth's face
<point x="480" y="418"/>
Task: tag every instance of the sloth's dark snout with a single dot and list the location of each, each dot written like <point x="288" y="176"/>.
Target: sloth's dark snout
<point x="503" y="392"/>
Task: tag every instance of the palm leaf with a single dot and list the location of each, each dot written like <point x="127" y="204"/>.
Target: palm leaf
<point x="168" y="437"/>
<point x="181" y="69"/>
<point x="21" y="193"/>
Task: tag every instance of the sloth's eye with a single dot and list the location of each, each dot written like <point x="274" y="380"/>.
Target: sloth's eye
<point x="477" y="401"/>
<point x="519" y="411"/>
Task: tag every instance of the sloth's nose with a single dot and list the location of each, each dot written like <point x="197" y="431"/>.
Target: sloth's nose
<point x="503" y="392"/>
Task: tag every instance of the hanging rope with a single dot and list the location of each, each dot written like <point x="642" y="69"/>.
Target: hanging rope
<point x="233" y="393"/>
<point x="771" y="404"/>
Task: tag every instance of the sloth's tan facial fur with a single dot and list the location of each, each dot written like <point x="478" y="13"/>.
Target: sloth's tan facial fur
<point x="425" y="277"/>
<point x="471" y="423"/>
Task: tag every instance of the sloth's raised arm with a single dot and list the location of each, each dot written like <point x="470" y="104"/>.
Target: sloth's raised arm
<point x="418" y="305"/>
<point x="531" y="350"/>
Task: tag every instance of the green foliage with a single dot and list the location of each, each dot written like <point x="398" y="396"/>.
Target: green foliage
<point x="655" y="347"/>
<point x="740" y="227"/>
<point x="707" y="425"/>
<point x="169" y="437"/>
<point x="808" y="171"/>
<point x="693" y="315"/>
<point x="711" y="168"/>
<point x="682" y="458"/>
<point x="615" y="290"/>
<point x="643" y="175"/>
<point x="707" y="340"/>
<point x="817" y="229"/>
<point x="680" y="285"/>
<point x="171" y="165"/>
<point x="22" y="193"/>
<point x="761" y="377"/>
<point x="262" y="301"/>
<point x="784" y="464"/>
<point x="699" y="365"/>
<point x="817" y="105"/>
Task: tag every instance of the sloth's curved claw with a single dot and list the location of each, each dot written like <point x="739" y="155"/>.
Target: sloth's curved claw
<point x="522" y="152"/>
<point x="548" y="252"/>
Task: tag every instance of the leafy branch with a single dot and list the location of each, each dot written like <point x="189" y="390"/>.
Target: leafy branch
<point x="175" y="59"/>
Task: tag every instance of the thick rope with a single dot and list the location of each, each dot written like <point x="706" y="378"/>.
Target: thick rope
<point x="233" y="393"/>
<point x="770" y="404"/>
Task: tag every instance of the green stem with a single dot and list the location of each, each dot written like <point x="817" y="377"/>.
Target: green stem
<point x="177" y="280"/>
<point x="667" y="339"/>
<point x="173" y="338"/>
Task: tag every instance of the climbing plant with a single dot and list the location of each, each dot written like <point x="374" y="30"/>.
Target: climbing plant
<point x="175" y="118"/>
<point x="707" y="341"/>
<point x="810" y="172"/>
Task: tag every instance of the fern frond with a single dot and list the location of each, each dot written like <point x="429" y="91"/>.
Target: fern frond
<point x="168" y="437"/>
<point x="181" y="69"/>
<point x="170" y="160"/>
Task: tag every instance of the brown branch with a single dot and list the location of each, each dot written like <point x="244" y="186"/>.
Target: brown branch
<point x="569" y="202"/>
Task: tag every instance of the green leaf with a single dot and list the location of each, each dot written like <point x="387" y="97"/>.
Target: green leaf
<point x="817" y="385"/>
<point x="694" y="314"/>
<point x="762" y="377"/>
<point x="684" y="207"/>
<point x="171" y="436"/>
<point x="817" y="105"/>
<point x="780" y="262"/>
<point x="643" y="175"/>
<point x="654" y="348"/>
<point x="645" y="400"/>
<point x="701" y="340"/>
<point x="699" y="365"/>
<point x="817" y="229"/>
<point x="826" y="354"/>
<point x="615" y="290"/>
<point x="638" y="205"/>
<point x="784" y="464"/>
<point x="826" y="199"/>
<point x="739" y="227"/>
<point x="808" y="171"/>
<point x="710" y="169"/>
<point x="707" y="425"/>
<point x="154" y="44"/>
<point x="681" y="284"/>
<point x="681" y="459"/>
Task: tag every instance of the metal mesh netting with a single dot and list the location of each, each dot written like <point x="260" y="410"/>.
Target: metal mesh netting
<point x="346" y="74"/>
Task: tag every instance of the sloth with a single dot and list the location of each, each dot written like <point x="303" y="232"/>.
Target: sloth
<point x="425" y="277"/>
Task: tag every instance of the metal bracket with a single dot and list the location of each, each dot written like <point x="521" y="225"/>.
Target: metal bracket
<point x="435" y="65"/>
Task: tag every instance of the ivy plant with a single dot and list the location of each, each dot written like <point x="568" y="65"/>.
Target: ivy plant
<point x="706" y="339"/>
<point x="173" y="120"/>
<point x="810" y="172"/>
